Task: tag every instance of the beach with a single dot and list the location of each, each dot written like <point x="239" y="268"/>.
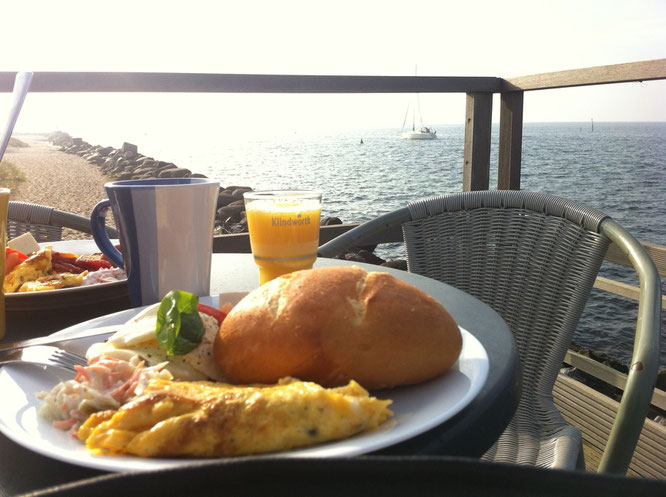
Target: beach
<point x="64" y="181"/>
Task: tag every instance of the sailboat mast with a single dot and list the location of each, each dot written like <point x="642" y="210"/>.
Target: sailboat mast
<point x="423" y="133"/>
<point x="405" y="119"/>
<point x="418" y="104"/>
<point x="418" y="107"/>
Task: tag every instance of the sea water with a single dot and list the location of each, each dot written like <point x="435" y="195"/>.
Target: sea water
<point x="617" y="168"/>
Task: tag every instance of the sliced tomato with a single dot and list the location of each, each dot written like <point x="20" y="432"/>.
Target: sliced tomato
<point x="19" y="254"/>
<point x="212" y="311"/>
<point x="13" y="258"/>
<point x="11" y="261"/>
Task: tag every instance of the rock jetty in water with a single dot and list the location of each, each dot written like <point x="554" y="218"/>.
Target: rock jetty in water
<point x="121" y="164"/>
<point x="126" y="163"/>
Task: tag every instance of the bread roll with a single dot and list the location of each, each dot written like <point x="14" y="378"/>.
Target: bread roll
<point x="331" y="325"/>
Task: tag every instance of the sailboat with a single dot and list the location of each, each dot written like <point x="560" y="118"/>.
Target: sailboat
<point x="423" y="132"/>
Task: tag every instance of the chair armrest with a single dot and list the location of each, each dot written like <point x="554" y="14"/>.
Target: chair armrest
<point x="80" y="223"/>
<point x="356" y="236"/>
<point x="645" y="359"/>
<point x="24" y="212"/>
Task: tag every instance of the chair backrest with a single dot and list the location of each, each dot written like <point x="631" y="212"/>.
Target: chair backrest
<point x="23" y="217"/>
<point x="531" y="257"/>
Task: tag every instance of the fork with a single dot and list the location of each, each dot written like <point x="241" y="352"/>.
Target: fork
<point x="45" y="355"/>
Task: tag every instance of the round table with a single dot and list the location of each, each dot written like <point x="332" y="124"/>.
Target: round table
<point x="470" y="433"/>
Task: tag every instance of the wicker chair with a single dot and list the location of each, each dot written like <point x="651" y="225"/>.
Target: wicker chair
<point x="45" y="223"/>
<point x="533" y="258"/>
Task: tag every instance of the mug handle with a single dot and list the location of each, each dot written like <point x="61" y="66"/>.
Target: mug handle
<point x="98" y="229"/>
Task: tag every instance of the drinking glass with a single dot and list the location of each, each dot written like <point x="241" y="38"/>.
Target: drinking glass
<point x="4" y="203"/>
<point x="284" y="230"/>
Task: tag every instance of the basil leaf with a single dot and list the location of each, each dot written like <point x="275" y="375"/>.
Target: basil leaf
<point x="179" y="326"/>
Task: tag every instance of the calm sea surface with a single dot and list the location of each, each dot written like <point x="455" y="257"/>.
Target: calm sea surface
<point x="618" y="168"/>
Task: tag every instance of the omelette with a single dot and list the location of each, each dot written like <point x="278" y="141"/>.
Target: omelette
<point x="206" y="419"/>
<point x="34" y="267"/>
<point x="53" y="282"/>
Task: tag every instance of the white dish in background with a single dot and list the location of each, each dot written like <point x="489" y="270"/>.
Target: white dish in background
<point x="111" y="287"/>
<point x="416" y="408"/>
<point x="78" y="247"/>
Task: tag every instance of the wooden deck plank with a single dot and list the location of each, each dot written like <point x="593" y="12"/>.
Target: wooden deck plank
<point x="643" y="464"/>
<point x="596" y="426"/>
<point x="593" y="413"/>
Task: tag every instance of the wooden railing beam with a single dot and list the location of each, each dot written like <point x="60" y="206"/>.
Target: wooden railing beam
<point x="478" y="122"/>
<point x="622" y="289"/>
<point x="45" y="81"/>
<point x="656" y="252"/>
<point x="510" y="141"/>
<point x="608" y="375"/>
<point x="646" y="70"/>
<point x="128" y="82"/>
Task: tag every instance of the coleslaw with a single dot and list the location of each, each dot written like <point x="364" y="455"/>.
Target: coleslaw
<point x="105" y="383"/>
<point x="120" y="369"/>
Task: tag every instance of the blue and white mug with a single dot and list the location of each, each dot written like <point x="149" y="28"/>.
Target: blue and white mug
<point x="166" y="234"/>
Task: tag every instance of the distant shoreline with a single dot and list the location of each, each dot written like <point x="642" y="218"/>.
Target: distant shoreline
<point x="63" y="181"/>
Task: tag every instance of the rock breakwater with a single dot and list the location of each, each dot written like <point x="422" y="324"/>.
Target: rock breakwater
<point x="126" y="163"/>
<point x="122" y="164"/>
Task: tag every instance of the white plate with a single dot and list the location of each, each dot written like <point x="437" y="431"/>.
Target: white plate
<point x="416" y="408"/>
<point x="76" y="246"/>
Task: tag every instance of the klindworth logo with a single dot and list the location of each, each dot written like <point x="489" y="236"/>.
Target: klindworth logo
<point x="290" y="221"/>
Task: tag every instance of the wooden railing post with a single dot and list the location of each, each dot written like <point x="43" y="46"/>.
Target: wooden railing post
<point x="510" y="141"/>
<point x="478" y="120"/>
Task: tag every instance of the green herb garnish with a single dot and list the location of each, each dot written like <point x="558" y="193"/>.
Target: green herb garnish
<point x="179" y="326"/>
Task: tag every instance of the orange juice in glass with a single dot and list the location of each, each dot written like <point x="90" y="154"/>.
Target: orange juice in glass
<point x="284" y="230"/>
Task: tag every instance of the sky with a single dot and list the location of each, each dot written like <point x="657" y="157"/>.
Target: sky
<point x="440" y="38"/>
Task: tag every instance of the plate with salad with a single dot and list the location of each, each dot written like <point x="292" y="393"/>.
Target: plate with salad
<point x="65" y="282"/>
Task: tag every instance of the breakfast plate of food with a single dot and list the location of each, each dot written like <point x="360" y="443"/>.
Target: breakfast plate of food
<point x="62" y="282"/>
<point x="179" y="382"/>
<point x="41" y="269"/>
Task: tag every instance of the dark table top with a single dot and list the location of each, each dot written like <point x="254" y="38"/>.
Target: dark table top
<point x="469" y="433"/>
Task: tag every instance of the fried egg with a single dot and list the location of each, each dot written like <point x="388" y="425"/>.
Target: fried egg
<point x="205" y="419"/>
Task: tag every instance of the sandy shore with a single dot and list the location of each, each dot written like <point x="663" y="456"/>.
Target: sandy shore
<point x="64" y="181"/>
